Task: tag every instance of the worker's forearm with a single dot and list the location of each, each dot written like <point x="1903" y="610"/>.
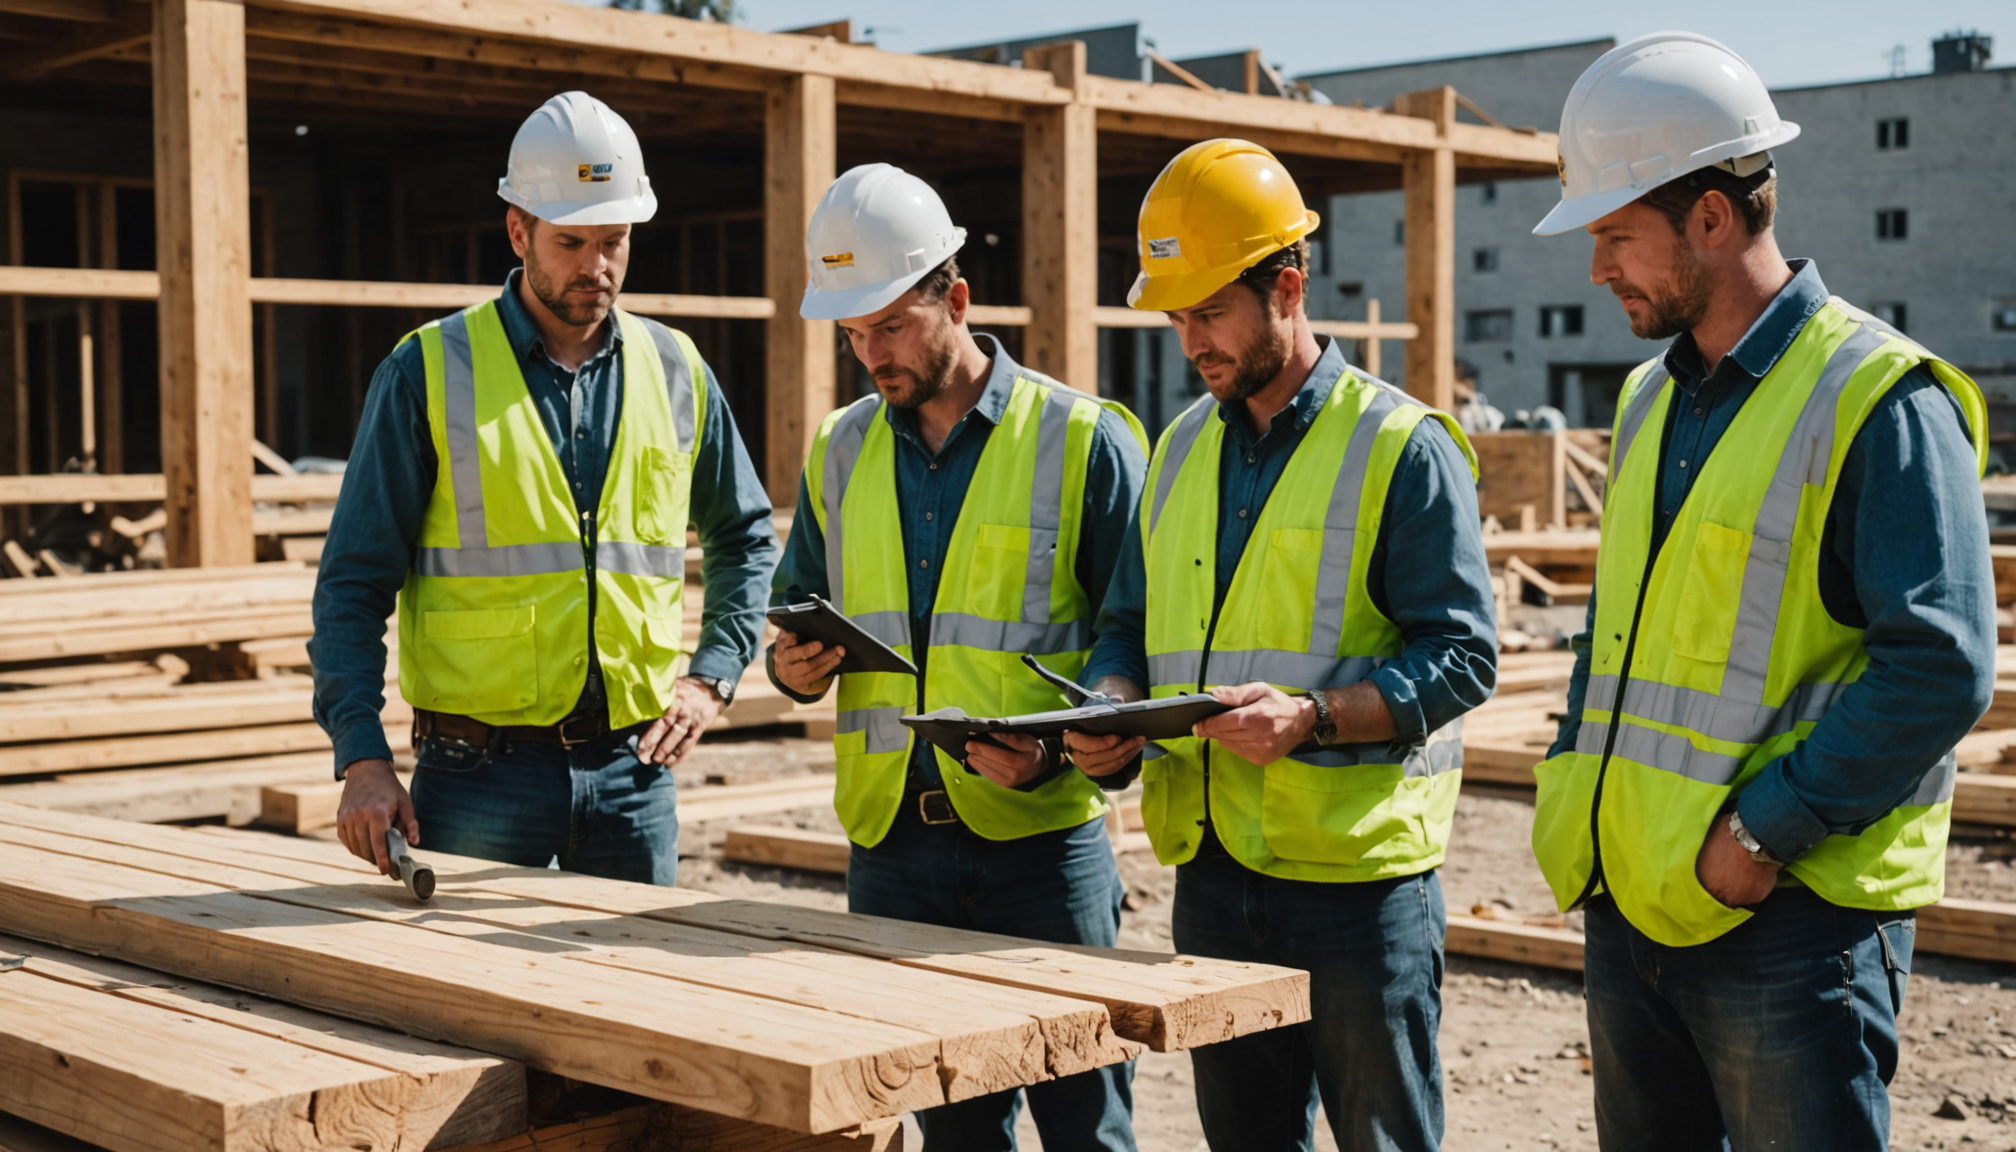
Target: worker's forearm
<point x="1119" y="688"/>
<point x="1361" y="714"/>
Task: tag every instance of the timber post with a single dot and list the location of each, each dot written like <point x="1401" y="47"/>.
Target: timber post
<point x="800" y="151"/>
<point x="1428" y="177"/>
<point x="1060" y="223"/>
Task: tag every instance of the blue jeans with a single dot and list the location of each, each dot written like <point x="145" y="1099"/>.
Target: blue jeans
<point x="1373" y="951"/>
<point x="1780" y="1035"/>
<point x="595" y="808"/>
<point x="1057" y="886"/>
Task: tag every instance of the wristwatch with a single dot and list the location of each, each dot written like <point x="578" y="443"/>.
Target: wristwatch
<point x="725" y="689"/>
<point x="1750" y="843"/>
<point x="1326" y="725"/>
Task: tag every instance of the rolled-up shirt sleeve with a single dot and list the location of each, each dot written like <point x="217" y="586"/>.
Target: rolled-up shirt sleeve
<point x="386" y="487"/>
<point x="1908" y="522"/>
<point x="800" y="575"/>
<point x="1428" y="575"/>
<point x="731" y="514"/>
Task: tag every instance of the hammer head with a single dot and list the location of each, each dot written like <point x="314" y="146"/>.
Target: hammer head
<point x="418" y="877"/>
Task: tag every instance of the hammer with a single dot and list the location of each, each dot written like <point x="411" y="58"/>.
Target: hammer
<point x="418" y="877"/>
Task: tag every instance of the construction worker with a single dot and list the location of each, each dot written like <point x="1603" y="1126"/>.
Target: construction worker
<point x="969" y="511"/>
<point x="521" y="483"/>
<point x="1308" y="552"/>
<point x="1793" y="624"/>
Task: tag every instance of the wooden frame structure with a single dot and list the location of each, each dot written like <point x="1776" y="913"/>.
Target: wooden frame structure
<point x="211" y="58"/>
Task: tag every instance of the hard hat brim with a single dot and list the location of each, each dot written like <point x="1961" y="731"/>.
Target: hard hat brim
<point x="1582" y="211"/>
<point x="1169" y="293"/>
<point x="847" y="303"/>
<point x="629" y="210"/>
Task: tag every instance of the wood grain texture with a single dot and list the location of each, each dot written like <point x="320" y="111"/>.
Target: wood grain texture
<point x="1428" y="179"/>
<point x="1060" y="224"/>
<point x="800" y="151"/>
<point x="787" y="847"/>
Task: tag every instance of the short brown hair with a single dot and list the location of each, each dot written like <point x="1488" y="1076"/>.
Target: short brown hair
<point x="1755" y="196"/>
<point x="1263" y="276"/>
<point x="937" y="282"/>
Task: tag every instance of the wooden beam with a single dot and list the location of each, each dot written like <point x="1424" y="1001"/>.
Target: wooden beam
<point x="84" y="42"/>
<point x="138" y="487"/>
<point x="202" y="208"/>
<point x="1429" y="178"/>
<point x="1060" y="224"/>
<point x="782" y="846"/>
<point x="800" y="153"/>
<point x="998" y="315"/>
<point x="92" y="11"/>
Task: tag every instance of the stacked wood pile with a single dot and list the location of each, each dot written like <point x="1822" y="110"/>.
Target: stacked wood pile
<point x="801" y="1019"/>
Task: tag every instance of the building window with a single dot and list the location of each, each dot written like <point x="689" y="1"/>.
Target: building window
<point x="1490" y="192"/>
<point x="1484" y="260"/>
<point x="1561" y="320"/>
<point x="1893" y="134"/>
<point x="1893" y="314"/>
<point x="1399" y="231"/>
<point x="1892" y="223"/>
<point x="2003" y="316"/>
<point x="1488" y="324"/>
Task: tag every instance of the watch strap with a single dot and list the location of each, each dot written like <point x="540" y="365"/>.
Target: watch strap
<point x="1326" y="725"/>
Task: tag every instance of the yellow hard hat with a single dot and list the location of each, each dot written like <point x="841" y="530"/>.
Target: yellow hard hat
<point x="1218" y="209"/>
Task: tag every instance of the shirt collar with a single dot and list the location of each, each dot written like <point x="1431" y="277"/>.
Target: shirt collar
<point x="1301" y="411"/>
<point x="524" y="336"/>
<point x="993" y="402"/>
<point x="1768" y="338"/>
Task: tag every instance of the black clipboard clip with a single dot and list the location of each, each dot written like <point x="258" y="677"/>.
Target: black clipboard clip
<point x="1076" y="693"/>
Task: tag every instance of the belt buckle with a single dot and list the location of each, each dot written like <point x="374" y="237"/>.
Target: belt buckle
<point x="567" y="741"/>
<point x="926" y="808"/>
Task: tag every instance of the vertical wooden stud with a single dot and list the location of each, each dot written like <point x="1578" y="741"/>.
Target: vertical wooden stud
<point x="1428" y="178"/>
<point x="1372" y="358"/>
<point x="202" y="198"/>
<point x="1252" y="69"/>
<point x="14" y="360"/>
<point x="111" y="378"/>
<point x="799" y="154"/>
<point x="268" y="341"/>
<point x="1060" y="224"/>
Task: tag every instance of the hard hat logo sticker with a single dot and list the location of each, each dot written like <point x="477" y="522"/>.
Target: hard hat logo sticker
<point x="838" y="260"/>
<point x="596" y="173"/>
<point x="1561" y="166"/>
<point x="1167" y="248"/>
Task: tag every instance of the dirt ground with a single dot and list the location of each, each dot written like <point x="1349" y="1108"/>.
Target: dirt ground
<point x="1514" y="1041"/>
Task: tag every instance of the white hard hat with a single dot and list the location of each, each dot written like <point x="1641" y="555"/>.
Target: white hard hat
<point x="575" y="161"/>
<point x="877" y="231"/>
<point x="1651" y="111"/>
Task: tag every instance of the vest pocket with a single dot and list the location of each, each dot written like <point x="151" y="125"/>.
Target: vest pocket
<point x="1287" y="585"/>
<point x="1712" y="593"/>
<point x="1333" y="815"/>
<point x="997" y="575"/>
<point x="481" y="660"/>
<point x="663" y="479"/>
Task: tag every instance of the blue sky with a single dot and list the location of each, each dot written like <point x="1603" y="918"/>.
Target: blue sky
<point x="1790" y="44"/>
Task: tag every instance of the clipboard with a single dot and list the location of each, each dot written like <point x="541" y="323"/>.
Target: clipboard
<point x="1095" y="714"/>
<point x="816" y="619"/>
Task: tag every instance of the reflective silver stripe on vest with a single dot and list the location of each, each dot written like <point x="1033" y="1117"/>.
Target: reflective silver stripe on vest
<point x="1441" y="752"/>
<point x="657" y="560"/>
<point x="1665" y="751"/>
<point x="970" y="631"/>
<point x="891" y="628"/>
<point x="1046" y="505"/>
<point x="1718" y="717"/>
<point x="679" y="382"/>
<point x="884" y="727"/>
<point x="1185" y="667"/>
<point x="1340" y="528"/>
<point x="505" y="560"/>
<point x="458" y="410"/>
<point x="1937" y="786"/>
<point x="1804" y="461"/>
<point x="1188" y="426"/>
<point x="1296" y="669"/>
<point x="1634" y="416"/>
<point x="843" y="450"/>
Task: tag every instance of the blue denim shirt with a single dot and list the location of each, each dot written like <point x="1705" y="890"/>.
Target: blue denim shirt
<point x="930" y="490"/>
<point x="1427" y="572"/>
<point x="390" y="480"/>
<point x="1904" y="558"/>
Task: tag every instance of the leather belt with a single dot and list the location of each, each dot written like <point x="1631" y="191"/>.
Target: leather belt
<point x="569" y="733"/>
<point x="935" y="808"/>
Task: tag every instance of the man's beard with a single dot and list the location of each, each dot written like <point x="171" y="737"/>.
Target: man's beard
<point x="1253" y="368"/>
<point x="926" y="382"/>
<point x="1681" y="308"/>
<point x="555" y="298"/>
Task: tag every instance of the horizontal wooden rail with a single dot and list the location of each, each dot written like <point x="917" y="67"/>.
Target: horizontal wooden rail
<point x="104" y="284"/>
<point x="76" y="488"/>
<point x="999" y="315"/>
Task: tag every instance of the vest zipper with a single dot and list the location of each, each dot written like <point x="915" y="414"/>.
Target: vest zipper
<point x="1203" y="667"/>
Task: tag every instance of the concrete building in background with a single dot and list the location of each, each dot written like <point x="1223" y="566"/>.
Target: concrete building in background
<point x="1903" y="189"/>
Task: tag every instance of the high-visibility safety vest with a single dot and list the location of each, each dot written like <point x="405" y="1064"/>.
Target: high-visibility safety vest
<point x="1297" y="615"/>
<point x="1721" y="650"/>
<point x="1009" y="587"/>
<point x="493" y="620"/>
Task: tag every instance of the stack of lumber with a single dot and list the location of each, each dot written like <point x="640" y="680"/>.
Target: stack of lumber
<point x="808" y="1020"/>
<point x="1533" y="479"/>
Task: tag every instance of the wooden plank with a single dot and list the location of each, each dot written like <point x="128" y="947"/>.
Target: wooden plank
<point x="1575" y="547"/>
<point x="302" y="522"/>
<point x="762" y="1060"/>
<point x="1516" y="469"/>
<point x="786" y="847"/>
<point x="1060" y="224"/>
<point x="144" y="637"/>
<point x="1428" y="178"/>
<point x="95" y="11"/>
<point x="670" y="1128"/>
<point x="989" y="1038"/>
<point x="1519" y="943"/>
<point x="202" y="199"/>
<point x="307" y="805"/>
<point x="83" y="42"/>
<point x="227" y="790"/>
<point x="998" y="316"/>
<point x="183" y="713"/>
<point x="1983" y="798"/>
<point x="454" y="1096"/>
<point x="800" y="150"/>
<point x="1977" y="929"/>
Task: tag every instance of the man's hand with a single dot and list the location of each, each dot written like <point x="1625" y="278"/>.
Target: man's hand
<point x="805" y="667"/>
<point x="673" y="735"/>
<point x="1010" y="767"/>
<point x="1264" y="725"/>
<point x="1102" y="755"/>
<point x="1726" y="870"/>
<point x="374" y="800"/>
